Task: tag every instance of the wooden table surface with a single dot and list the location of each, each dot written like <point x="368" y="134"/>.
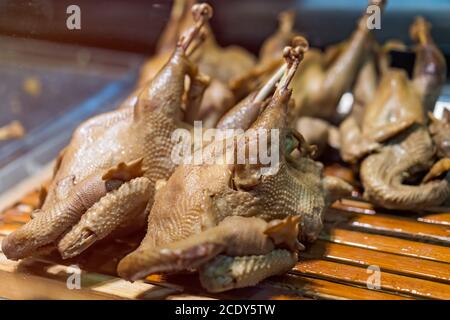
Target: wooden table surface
<point x="410" y="250"/>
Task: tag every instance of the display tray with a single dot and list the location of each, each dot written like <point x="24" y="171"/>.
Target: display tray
<point x="410" y="250"/>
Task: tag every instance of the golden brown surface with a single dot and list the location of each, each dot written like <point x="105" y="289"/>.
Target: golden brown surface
<point x="322" y="78"/>
<point x="220" y="64"/>
<point x="190" y="221"/>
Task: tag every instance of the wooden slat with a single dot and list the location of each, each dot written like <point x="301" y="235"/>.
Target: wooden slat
<point x="6" y="229"/>
<point x="190" y="283"/>
<point x="32" y="279"/>
<point x="353" y="205"/>
<point x="323" y="289"/>
<point x="390" y="225"/>
<point x="24" y="286"/>
<point x="387" y="244"/>
<point x="356" y="275"/>
<point x="14" y="215"/>
<point x="437" y="215"/>
<point x="414" y="267"/>
<point x="188" y="297"/>
<point x="438" y="218"/>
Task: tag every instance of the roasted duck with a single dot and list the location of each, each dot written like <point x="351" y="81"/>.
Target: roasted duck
<point x="324" y="77"/>
<point x="440" y="132"/>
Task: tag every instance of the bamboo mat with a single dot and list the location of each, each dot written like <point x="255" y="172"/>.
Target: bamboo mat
<point x="410" y="250"/>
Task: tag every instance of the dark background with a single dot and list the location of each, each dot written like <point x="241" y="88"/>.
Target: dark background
<point x="135" y="25"/>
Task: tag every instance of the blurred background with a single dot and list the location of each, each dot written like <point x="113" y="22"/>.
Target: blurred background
<point x="135" y="25"/>
<point x="52" y="78"/>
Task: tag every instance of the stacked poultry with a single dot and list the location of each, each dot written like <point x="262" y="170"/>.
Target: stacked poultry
<point x="241" y="222"/>
<point x="388" y="133"/>
<point x="219" y="64"/>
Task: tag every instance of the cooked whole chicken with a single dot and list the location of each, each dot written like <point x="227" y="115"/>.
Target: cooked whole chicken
<point x="236" y="223"/>
<point x="104" y="180"/>
<point x="440" y="132"/>
<point x="275" y="44"/>
<point x="324" y="77"/>
<point x="269" y="57"/>
<point x="220" y="64"/>
<point x="393" y="140"/>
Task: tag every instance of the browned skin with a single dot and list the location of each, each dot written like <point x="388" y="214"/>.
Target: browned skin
<point x="318" y="132"/>
<point x="269" y="57"/>
<point x="365" y="86"/>
<point x="440" y="167"/>
<point x="353" y="145"/>
<point x="275" y="44"/>
<point x="393" y="132"/>
<point x="323" y="79"/>
<point x="395" y="107"/>
<point x="243" y="114"/>
<point x="430" y="69"/>
<point x="179" y="21"/>
<point x="440" y="132"/>
<point x="105" y="178"/>
<point x="220" y="64"/>
<point x="384" y="173"/>
<point x="213" y="217"/>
